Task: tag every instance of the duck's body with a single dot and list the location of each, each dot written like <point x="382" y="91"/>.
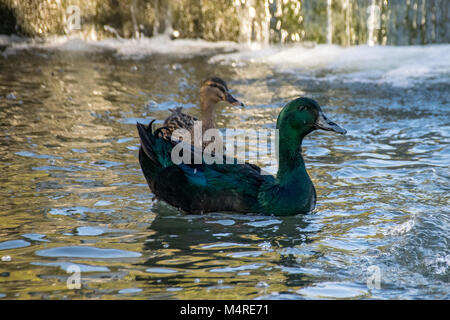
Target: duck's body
<point x="206" y="188"/>
<point x="239" y="188"/>
<point x="212" y="91"/>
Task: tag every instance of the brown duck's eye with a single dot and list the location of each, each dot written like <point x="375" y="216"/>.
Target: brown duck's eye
<point x="222" y="89"/>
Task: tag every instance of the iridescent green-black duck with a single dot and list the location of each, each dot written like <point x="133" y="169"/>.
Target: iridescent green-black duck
<point x="240" y="188"/>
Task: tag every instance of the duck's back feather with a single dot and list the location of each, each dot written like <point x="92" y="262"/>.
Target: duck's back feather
<point x="179" y="120"/>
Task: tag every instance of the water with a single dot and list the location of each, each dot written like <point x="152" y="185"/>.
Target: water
<point x="72" y="192"/>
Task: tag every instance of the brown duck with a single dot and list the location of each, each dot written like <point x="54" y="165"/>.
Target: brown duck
<point x="212" y="91"/>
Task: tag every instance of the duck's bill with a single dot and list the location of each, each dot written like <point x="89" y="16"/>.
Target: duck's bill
<point x="232" y="100"/>
<point x="326" y="124"/>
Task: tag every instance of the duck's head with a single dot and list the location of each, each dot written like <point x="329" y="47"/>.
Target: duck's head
<point x="214" y="90"/>
<point x="302" y="116"/>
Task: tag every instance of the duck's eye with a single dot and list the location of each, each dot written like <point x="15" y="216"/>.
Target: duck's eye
<point x="301" y="108"/>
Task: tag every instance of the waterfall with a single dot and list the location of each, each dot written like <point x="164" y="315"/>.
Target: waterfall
<point x="265" y="24"/>
<point x="373" y="22"/>
<point x="162" y="23"/>
<point x="342" y="22"/>
<point x="254" y="21"/>
<point x="136" y="33"/>
<point x="168" y="30"/>
<point x="329" y="23"/>
<point x="245" y="13"/>
<point x="348" y="18"/>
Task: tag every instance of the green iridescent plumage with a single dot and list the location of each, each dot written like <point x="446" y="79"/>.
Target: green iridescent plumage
<point x="201" y="188"/>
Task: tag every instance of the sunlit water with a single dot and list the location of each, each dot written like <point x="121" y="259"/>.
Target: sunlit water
<point x="72" y="191"/>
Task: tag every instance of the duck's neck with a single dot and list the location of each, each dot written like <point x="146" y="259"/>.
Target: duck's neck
<point x="291" y="166"/>
<point x="207" y="114"/>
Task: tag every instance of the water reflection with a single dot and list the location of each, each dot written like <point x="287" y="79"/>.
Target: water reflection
<point x="207" y="257"/>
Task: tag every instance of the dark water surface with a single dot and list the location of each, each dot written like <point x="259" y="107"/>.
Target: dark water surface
<point x="72" y="192"/>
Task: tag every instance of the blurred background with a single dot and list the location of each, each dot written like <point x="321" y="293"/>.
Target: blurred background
<point x="343" y="22"/>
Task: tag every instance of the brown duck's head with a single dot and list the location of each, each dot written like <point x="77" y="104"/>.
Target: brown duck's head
<point x="214" y="90"/>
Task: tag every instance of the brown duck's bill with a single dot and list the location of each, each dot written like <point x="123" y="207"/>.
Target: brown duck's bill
<point x="232" y="100"/>
<point x="326" y="124"/>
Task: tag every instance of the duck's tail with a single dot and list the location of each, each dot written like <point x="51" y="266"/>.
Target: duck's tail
<point x="155" y="151"/>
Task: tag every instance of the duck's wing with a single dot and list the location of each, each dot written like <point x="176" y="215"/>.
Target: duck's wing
<point x="207" y="188"/>
<point x="179" y="120"/>
<point x="198" y="188"/>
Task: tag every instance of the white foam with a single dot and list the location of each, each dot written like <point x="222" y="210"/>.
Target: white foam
<point x="130" y="48"/>
<point x="397" y="65"/>
<point x="401" y="229"/>
<point x="401" y="66"/>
